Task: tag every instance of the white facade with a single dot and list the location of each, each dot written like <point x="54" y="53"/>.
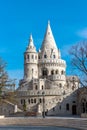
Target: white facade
<point x="45" y="86"/>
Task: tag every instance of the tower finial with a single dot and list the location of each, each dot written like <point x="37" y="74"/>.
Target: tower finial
<point x="31" y="47"/>
<point x="49" y="22"/>
<point x="31" y="40"/>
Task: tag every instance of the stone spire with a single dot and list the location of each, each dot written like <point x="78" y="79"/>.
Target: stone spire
<point x="31" y="41"/>
<point x="49" y="39"/>
<point x="31" y="47"/>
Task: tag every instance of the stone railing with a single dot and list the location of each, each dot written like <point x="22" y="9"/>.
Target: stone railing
<point x="57" y="77"/>
<point x="60" y="62"/>
<point x="39" y="93"/>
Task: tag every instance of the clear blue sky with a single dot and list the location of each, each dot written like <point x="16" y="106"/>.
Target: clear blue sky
<point x="20" y="18"/>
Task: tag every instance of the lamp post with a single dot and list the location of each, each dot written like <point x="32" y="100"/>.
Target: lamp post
<point x="73" y="80"/>
<point x="43" y="114"/>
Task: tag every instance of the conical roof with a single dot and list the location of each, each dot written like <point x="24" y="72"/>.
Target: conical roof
<point x="49" y="40"/>
<point x="31" y="47"/>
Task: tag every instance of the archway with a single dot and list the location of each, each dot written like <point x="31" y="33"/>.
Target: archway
<point x="44" y="72"/>
<point x="74" y="110"/>
<point x="83" y="106"/>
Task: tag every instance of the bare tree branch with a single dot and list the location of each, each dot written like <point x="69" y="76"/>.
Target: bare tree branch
<point x="78" y="54"/>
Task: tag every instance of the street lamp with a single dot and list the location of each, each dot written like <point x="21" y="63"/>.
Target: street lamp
<point x="43" y="114"/>
<point x="73" y="81"/>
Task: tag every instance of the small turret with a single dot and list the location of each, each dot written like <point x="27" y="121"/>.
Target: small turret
<point x="30" y="61"/>
<point x="31" y="47"/>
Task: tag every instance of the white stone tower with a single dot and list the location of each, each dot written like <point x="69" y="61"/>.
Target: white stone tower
<point x="30" y="61"/>
<point x="51" y="66"/>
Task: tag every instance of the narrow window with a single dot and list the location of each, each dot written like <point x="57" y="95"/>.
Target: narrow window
<point x="31" y="100"/>
<point x="60" y="85"/>
<point x="60" y="107"/>
<point x="67" y="106"/>
<point x="36" y="87"/>
<point x="42" y="87"/>
<point x="27" y="56"/>
<point x="45" y="56"/>
<point x="56" y="71"/>
<point x="53" y="108"/>
<point x="23" y="101"/>
<point x="39" y="57"/>
<point x="44" y="72"/>
<point x="54" y="56"/>
<point x="40" y="100"/>
<point x="62" y="72"/>
<point x="52" y="72"/>
<point x="64" y="92"/>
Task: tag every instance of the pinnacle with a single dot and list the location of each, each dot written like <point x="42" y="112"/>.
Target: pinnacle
<point x="31" y="47"/>
<point x="31" y="41"/>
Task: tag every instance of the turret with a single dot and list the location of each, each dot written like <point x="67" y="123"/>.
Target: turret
<point x="50" y="64"/>
<point x="30" y="61"/>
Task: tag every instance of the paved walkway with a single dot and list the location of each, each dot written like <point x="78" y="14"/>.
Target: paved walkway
<point x="80" y="123"/>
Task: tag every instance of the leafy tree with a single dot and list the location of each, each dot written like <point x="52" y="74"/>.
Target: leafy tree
<point x="5" y="82"/>
<point x="78" y="54"/>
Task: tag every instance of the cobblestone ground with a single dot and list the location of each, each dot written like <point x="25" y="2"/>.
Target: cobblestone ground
<point x="80" y="123"/>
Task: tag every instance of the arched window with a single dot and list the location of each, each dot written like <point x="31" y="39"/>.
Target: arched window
<point x="60" y="85"/>
<point x="67" y="106"/>
<point x="64" y="92"/>
<point x="22" y="101"/>
<point x="53" y="108"/>
<point x="39" y="57"/>
<point x="31" y="100"/>
<point x="56" y="71"/>
<point x="54" y="56"/>
<point x="42" y="87"/>
<point x="27" y="56"/>
<point x="45" y="56"/>
<point x="36" y="87"/>
<point x="44" y="72"/>
<point x="84" y="106"/>
<point x="36" y="57"/>
<point x="52" y="72"/>
<point x="62" y="72"/>
<point x="40" y="100"/>
<point x="60" y="107"/>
